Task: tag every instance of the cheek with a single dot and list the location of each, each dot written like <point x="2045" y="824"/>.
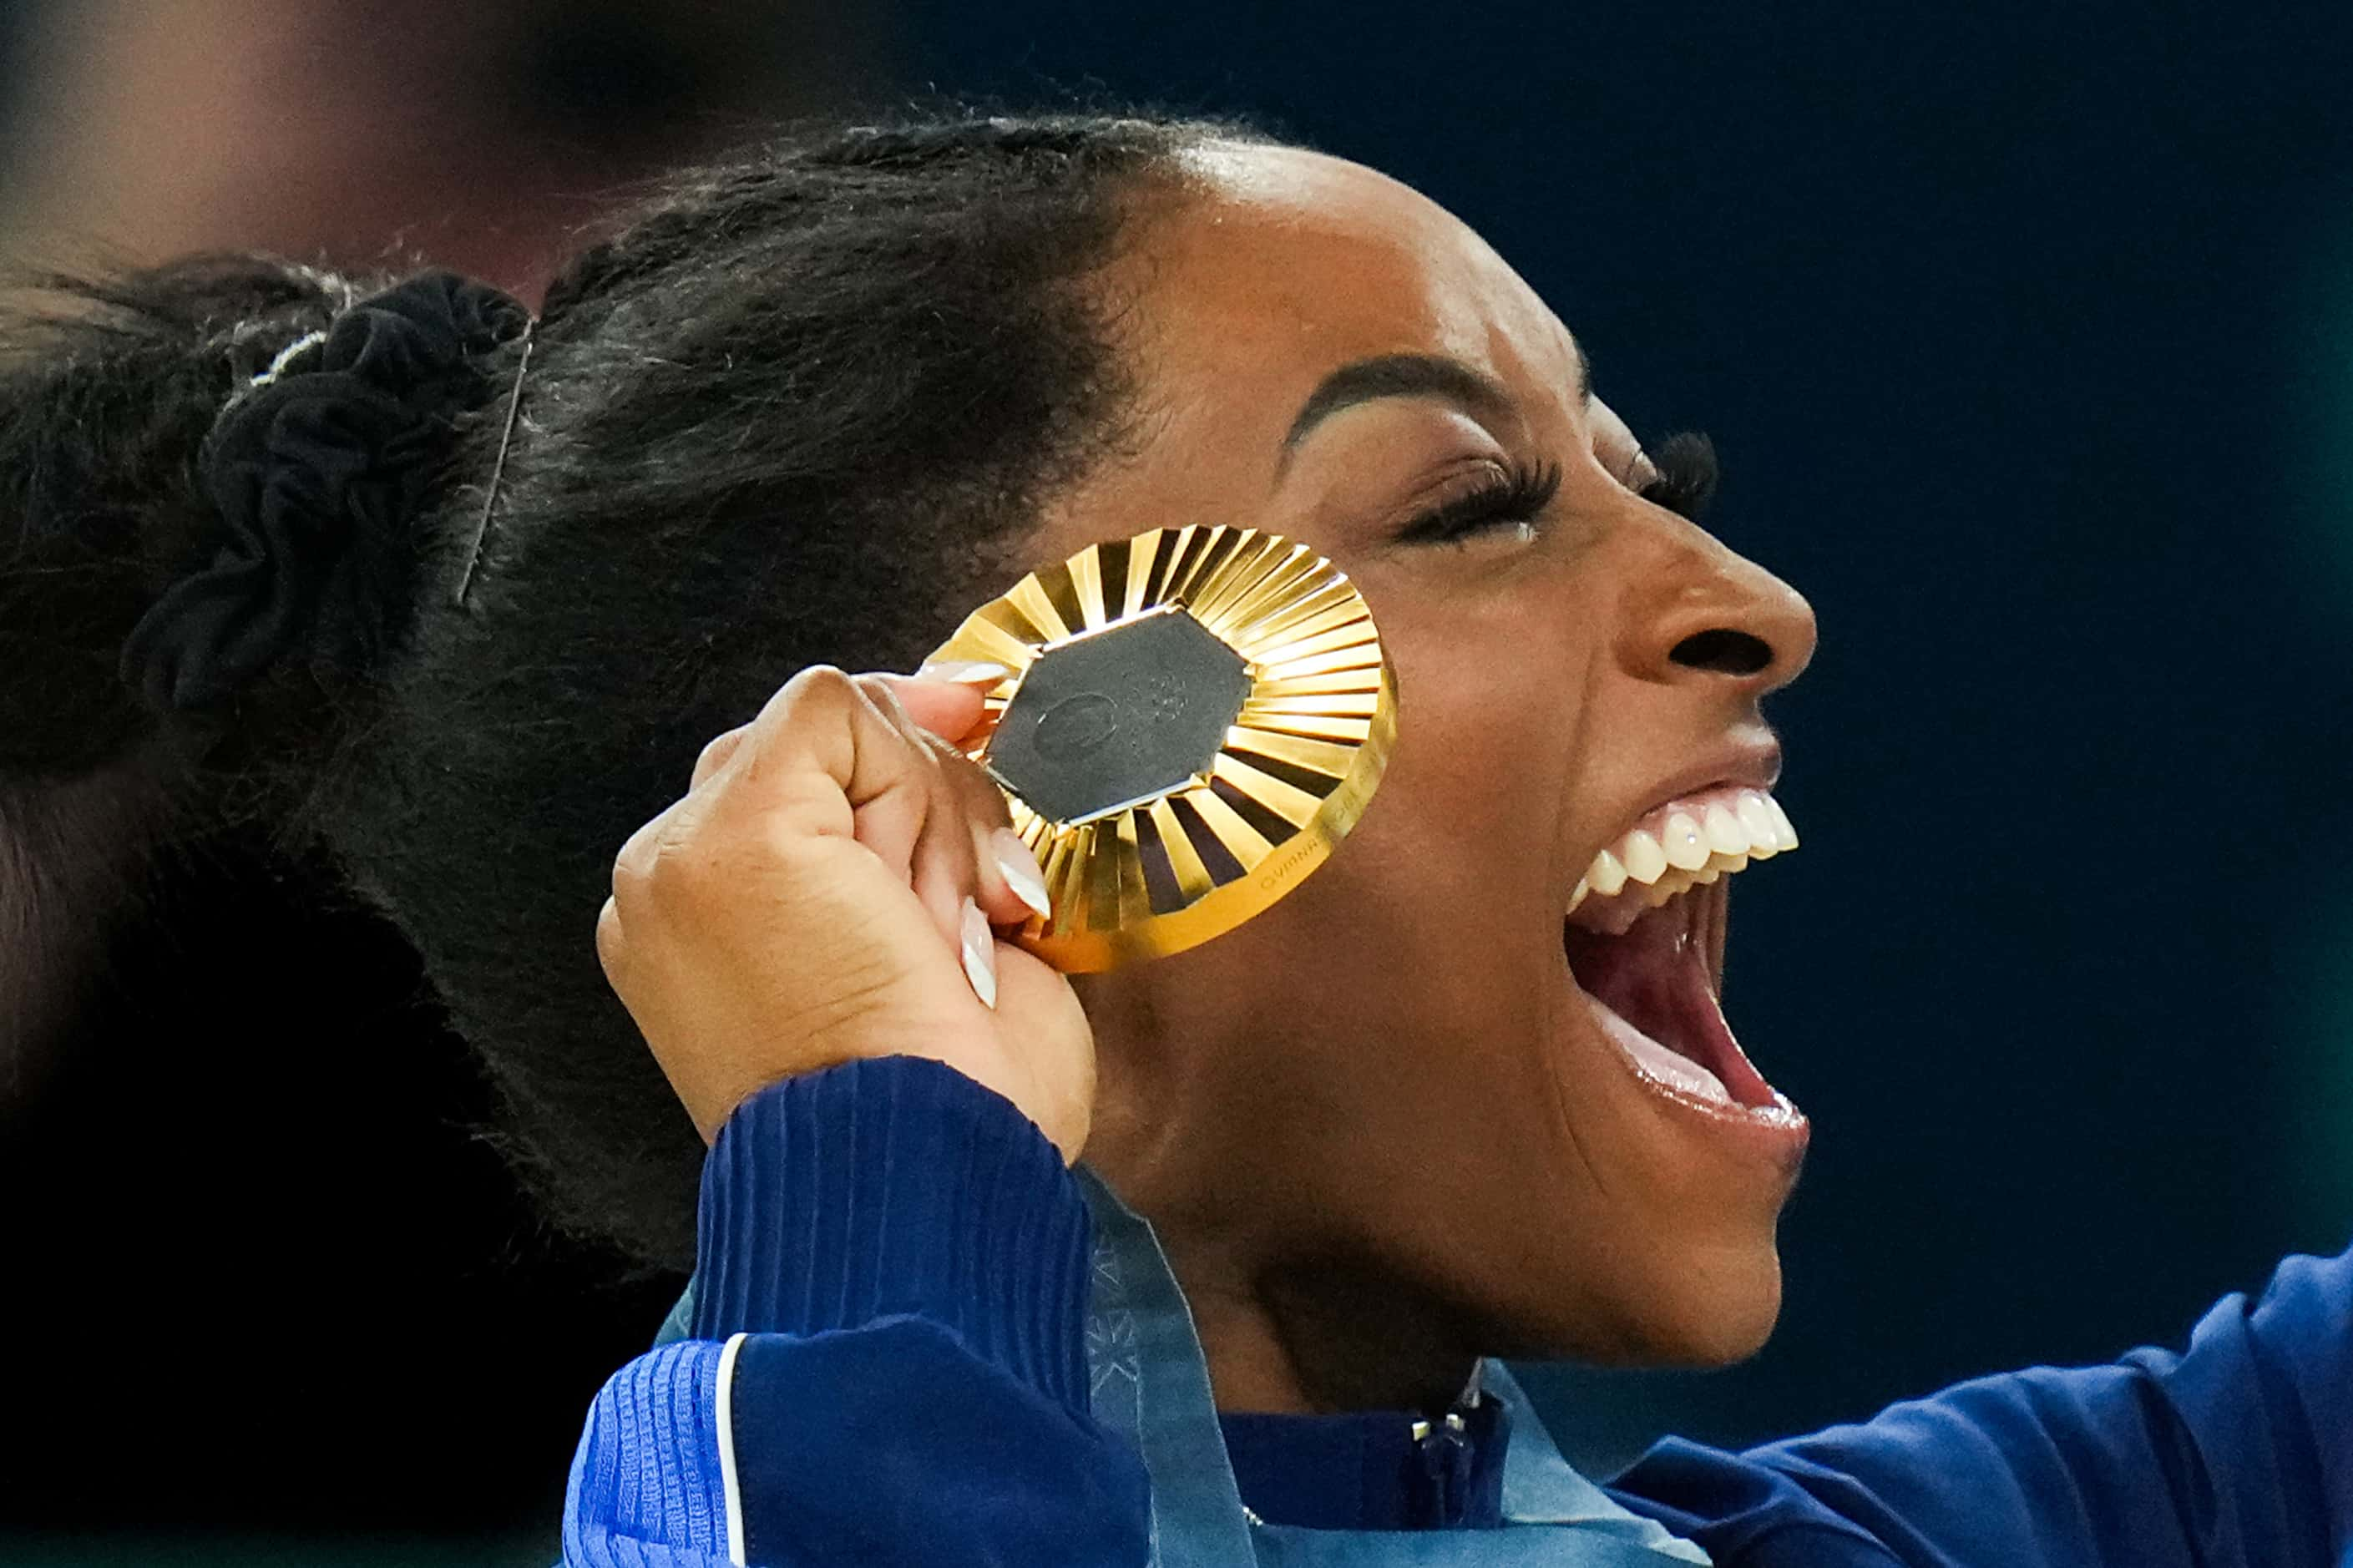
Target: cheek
<point x="1486" y="741"/>
<point x="1431" y="915"/>
<point x="1435" y="903"/>
<point x="1434" y="909"/>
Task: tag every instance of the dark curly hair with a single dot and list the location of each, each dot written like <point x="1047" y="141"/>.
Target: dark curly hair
<point x="801" y="408"/>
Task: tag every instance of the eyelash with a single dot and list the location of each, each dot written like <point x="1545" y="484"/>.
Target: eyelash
<point x="1516" y="495"/>
<point x="1685" y="483"/>
<point x="1688" y="475"/>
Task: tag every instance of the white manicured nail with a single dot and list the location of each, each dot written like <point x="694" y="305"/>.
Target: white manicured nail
<point x="979" y="954"/>
<point x="1021" y="873"/>
<point x="965" y="671"/>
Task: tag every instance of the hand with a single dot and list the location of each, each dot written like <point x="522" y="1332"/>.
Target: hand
<point x="824" y="891"/>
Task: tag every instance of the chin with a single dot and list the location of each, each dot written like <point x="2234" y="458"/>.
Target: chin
<point x="1696" y="1306"/>
<point x="1725" y="1333"/>
<point x="1713" y="1309"/>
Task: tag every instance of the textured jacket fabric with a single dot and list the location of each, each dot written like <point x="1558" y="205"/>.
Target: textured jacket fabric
<point x="915" y="1337"/>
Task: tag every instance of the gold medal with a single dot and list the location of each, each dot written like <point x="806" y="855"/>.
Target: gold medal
<point x="1195" y="717"/>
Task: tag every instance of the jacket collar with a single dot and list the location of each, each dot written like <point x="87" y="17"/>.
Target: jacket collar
<point x="1150" y="1383"/>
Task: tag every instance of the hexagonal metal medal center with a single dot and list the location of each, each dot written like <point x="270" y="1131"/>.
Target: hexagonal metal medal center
<point x="1113" y="718"/>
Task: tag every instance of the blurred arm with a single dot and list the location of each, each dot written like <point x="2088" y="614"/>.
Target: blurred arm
<point x="2238" y="1451"/>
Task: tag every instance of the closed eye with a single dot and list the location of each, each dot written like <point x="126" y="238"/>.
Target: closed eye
<point x="1516" y="495"/>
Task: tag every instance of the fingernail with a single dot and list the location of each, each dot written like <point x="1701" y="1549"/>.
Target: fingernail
<point x="979" y="954"/>
<point x="1021" y="873"/>
<point x="965" y="671"/>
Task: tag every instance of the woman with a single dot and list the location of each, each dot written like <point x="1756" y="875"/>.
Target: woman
<point x="490" y="588"/>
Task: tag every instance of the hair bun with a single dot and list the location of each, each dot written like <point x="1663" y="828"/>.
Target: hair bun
<point x="318" y="471"/>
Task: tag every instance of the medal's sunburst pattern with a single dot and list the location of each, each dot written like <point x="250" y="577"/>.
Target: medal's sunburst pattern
<point x="1299" y="762"/>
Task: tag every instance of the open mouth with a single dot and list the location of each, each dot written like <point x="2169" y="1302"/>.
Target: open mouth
<point x="1644" y="939"/>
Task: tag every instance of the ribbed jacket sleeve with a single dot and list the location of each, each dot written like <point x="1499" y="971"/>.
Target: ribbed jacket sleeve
<point x="897" y="1186"/>
<point x="888" y="1357"/>
<point x="647" y="1488"/>
<point x="2234" y="1453"/>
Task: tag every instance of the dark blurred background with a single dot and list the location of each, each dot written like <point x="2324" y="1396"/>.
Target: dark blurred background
<point x="2027" y="333"/>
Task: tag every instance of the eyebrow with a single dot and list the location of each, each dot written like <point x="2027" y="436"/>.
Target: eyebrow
<point x="1412" y="375"/>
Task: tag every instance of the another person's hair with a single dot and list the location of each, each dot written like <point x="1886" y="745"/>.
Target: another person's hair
<point x="800" y="409"/>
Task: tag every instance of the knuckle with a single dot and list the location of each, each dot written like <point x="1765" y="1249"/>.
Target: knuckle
<point x="610" y="942"/>
<point x="815" y="693"/>
<point x="666" y="864"/>
<point x="827" y="685"/>
<point x="686" y="875"/>
<point x="718" y="750"/>
<point x="635" y="864"/>
<point x="819" y="699"/>
<point x="878" y="693"/>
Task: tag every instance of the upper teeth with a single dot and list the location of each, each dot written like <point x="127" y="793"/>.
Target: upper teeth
<point x="1688" y="842"/>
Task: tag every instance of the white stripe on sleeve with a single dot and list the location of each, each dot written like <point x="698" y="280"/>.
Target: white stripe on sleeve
<point x="731" y="1487"/>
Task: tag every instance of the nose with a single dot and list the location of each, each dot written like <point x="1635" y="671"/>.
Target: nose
<point x="1712" y="616"/>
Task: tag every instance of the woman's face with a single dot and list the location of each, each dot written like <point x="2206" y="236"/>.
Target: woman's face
<point x="1383" y="1127"/>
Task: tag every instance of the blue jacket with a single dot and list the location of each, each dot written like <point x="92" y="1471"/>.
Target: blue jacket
<point x="914" y="1337"/>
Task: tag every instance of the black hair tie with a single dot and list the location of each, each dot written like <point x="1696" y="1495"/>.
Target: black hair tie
<point x="318" y="472"/>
